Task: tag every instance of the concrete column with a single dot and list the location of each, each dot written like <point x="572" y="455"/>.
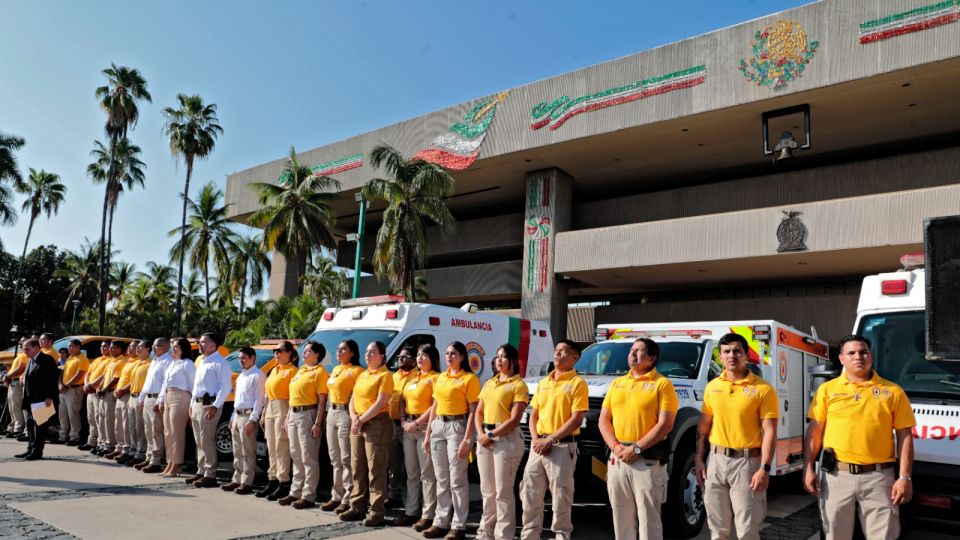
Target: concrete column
<point x="547" y="212"/>
<point x="283" y="276"/>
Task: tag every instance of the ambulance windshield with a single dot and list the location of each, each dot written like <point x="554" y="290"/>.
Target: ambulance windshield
<point x="678" y="359"/>
<point x="363" y="336"/>
<point x="898" y="346"/>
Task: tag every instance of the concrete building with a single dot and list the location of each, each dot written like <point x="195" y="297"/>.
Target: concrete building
<point x="642" y="182"/>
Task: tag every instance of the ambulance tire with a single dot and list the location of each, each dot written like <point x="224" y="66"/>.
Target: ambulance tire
<point x="684" y="513"/>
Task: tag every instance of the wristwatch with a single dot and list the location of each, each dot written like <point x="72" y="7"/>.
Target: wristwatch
<point x="489" y="434"/>
<point x="766" y="467"/>
<point x="637" y="450"/>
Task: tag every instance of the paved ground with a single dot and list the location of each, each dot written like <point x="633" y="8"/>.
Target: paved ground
<point x="73" y="494"/>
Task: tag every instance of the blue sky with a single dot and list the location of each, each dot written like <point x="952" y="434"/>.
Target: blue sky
<point x="282" y="74"/>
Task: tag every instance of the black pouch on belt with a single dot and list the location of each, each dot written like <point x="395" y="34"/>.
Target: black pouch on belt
<point x="207" y="400"/>
<point x="659" y="451"/>
<point x="828" y="460"/>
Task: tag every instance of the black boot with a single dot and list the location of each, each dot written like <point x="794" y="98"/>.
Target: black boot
<point x="270" y="488"/>
<point x="282" y="491"/>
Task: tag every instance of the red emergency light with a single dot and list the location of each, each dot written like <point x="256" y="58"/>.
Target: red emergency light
<point x="934" y="501"/>
<point x="893" y="287"/>
<point x="392" y="314"/>
<point x="328" y="315"/>
<point x="434" y="321"/>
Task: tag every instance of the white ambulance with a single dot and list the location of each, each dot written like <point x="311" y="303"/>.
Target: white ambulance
<point x="688" y="356"/>
<point x="397" y="324"/>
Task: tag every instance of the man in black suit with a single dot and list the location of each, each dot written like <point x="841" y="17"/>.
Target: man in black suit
<point x="40" y="386"/>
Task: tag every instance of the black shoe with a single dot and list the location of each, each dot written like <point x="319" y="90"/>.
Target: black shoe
<point x="283" y="489"/>
<point x="268" y="489"/>
<point x="33" y="457"/>
<point x="23" y="455"/>
<point x="73" y="443"/>
<point x="23" y="438"/>
<point x="57" y="441"/>
<point x="85" y="447"/>
<point x="395" y="502"/>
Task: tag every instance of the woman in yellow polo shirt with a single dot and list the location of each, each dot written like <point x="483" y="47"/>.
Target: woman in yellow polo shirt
<point x="308" y="401"/>
<point x="500" y="444"/>
<point x="341" y="382"/>
<point x="274" y="424"/>
<point x="449" y="436"/>
<point x="415" y="402"/>
<point x="371" y="433"/>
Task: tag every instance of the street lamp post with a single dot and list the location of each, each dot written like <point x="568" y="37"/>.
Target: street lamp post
<point x="73" y="323"/>
<point x="16" y="338"/>
<point x="359" y="237"/>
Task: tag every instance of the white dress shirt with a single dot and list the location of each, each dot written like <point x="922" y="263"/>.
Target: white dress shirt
<point x="251" y="392"/>
<point x="155" y="374"/>
<point x="214" y="377"/>
<point x="180" y="375"/>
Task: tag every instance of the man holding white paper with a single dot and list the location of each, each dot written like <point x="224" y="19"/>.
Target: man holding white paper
<point x="40" y="389"/>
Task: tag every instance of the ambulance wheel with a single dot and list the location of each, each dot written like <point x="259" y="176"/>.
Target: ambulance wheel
<point x="684" y="514"/>
<point x="224" y="441"/>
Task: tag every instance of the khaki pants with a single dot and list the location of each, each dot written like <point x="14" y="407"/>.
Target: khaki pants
<point x="369" y="453"/>
<point x="107" y="418"/>
<point x="453" y="495"/>
<point x="205" y="437"/>
<point x="421" y="495"/>
<point x="120" y="423"/>
<point x="729" y="500"/>
<point x="93" y="420"/>
<point x="15" y="406"/>
<point x="176" y="415"/>
<point x="153" y="430"/>
<point x="244" y="450"/>
<point x="338" y="444"/>
<point x="136" y="438"/>
<point x="70" y="401"/>
<point x="553" y="471"/>
<point x="278" y="444"/>
<point x="395" y="467"/>
<point x="305" y="451"/>
<point x="498" y="472"/>
<point x="637" y="490"/>
<point x="842" y="492"/>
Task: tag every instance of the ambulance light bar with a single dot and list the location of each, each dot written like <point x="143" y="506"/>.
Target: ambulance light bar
<point x="893" y="287"/>
<point x="635" y="334"/>
<point x="911" y="261"/>
<point x="328" y="314"/>
<point x="372" y="300"/>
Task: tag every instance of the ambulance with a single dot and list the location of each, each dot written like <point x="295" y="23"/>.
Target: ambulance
<point x="689" y="356"/>
<point x="398" y="324"/>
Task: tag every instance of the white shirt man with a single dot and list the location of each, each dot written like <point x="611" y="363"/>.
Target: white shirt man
<point x="152" y="420"/>
<point x="211" y="386"/>
<point x="248" y="401"/>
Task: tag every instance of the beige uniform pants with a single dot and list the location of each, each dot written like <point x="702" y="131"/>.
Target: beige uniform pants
<point x="107" y="418"/>
<point x="305" y="452"/>
<point x="136" y="438"/>
<point x="395" y="467"/>
<point x="553" y="471"/>
<point x="205" y="436"/>
<point x="15" y="406"/>
<point x="244" y="449"/>
<point x="278" y="444"/>
<point x="338" y="445"/>
<point x="153" y="430"/>
<point x="453" y="495"/>
<point x="369" y="453"/>
<point x="70" y="401"/>
<point x="93" y="420"/>
<point x="729" y="500"/>
<point x="498" y="472"/>
<point x="176" y="415"/>
<point x="421" y="498"/>
<point x="844" y="496"/>
<point x="637" y="490"/>
<point x="120" y="423"/>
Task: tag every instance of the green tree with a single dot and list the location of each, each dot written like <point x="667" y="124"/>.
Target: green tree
<point x="192" y="130"/>
<point x="80" y="270"/>
<point x="249" y="266"/>
<point x="119" y="99"/>
<point x="415" y="193"/>
<point x="122" y="276"/>
<point x="193" y="294"/>
<point x="160" y="277"/>
<point x="326" y="283"/>
<point x="206" y="235"/>
<point x="295" y="215"/>
<point x="9" y="171"/>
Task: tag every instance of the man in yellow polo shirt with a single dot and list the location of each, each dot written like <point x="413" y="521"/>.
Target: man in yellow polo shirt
<point x="739" y="416"/>
<point x="559" y="405"/>
<point x="121" y="414"/>
<point x="406" y="371"/>
<point x="108" y="401"/>
<point x="15" y="393"/>
<point x="852" y="418"/>
<point x="635" y="419"/>
<point x="71" y="393"/>
<point x="136" y="435"/>
<point x="91" y="385"/>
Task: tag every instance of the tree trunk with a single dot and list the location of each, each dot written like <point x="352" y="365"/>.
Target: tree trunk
<point x="101" y="279"/>
<point x="183" y="230"/>
<point x="206" y="283"/>
<point x="243" y="291"/>
<point x="16" y="283"/>
<point x="113" y="210"/>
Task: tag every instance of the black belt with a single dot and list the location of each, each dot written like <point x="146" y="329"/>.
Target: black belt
<point x="339" y="406"/>
<point x="301" y="408"/>
<point x="135" y="395"/>
<point x="76" y="385"/>
<point x="452" y="417"/>
<point x="411" y="417"/>
<point x="736" y="452"/>
<point x="657" y="452"/>
<point x="489" y="427"/>
<point x="568" y="438"/>
<point x="853" y="468"/>
<point x="153" y="395"/>
<point x="245" y="412"/>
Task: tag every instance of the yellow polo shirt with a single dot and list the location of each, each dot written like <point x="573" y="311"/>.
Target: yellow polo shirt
<point x="738" y="409"/>
<point x="126" y="372"/>
<point x="76" y="363"/>
<point x="859" y="418"/>
<point x="341" y="382"/>
<point x="278" y="383"/>
<point x="139" y="375"/>
<point x="418" y="392"/>
<point x="51" y="351"/>
<point x="19" y="360"/>
<point x="399" y="382"/>
<point x="557" y="398"/>
<point x="113" y="368"/>
<point x="499" y="396"/>
<point x="96" y="368"/>
<point x="370" y="384"/>
<point x="635" y="403"/>
<point x="455" y="393"/>
<point x="307" y="386"/>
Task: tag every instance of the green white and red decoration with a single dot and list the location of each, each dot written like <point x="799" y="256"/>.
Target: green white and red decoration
<point x="780" y="54"/>
<point x="555" y="114"/>
<point x="519" y="337"/>
<point x="330" y="168"/>
<point x="907" y="22"/>
<point x="537" y="227"/>
<point x="459" y="147"/>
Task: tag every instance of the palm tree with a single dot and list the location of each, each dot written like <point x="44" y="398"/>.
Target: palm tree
<point x="419" y="288"/>
<point x="44" y="193"/>
<point x="81" y="270"/>
<point x="415" y="192"/>
<point x="249" y="265"/>
<point x="296" y="216"/>
<point x="119" y="99"/>
<point x="192" y="294"/>
<point x="206" y="235"/>
<point x="326" y="283"/>
<point x="122" y="276"/>
<point x="223" y="292"/>
<point x="9" y="170"/>
<point x="160" y="277"/>
<point x="192" y="130"/>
